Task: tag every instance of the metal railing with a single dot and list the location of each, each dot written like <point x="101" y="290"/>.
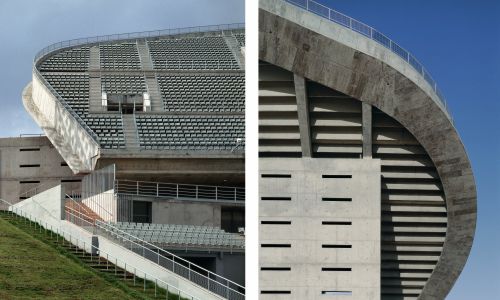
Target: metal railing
<point x="134" y="35"/>
<point x="361" y="28"/>
<point x="180" y="191"/>
<point x="202" y="64"/>
<point x="93" y="250"/>
<point x="194" y="273"/>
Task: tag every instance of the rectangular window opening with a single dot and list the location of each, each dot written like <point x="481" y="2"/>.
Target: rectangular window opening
<point x="29" y="181"/>
<point x="276" y="198"/>
<point x="276" y="222"/>
<point x="29" y="149"/>
<point x="275" y="292"/>
<point x="71" y="180"/>
<point x="336" y="223"/>
<point x="336" y="199"/>
<point x="64" y="164"/>
<point x="336" y="269"/>
<point x="30" y="166"/>
<point x="336" y="176"/>
<point x="336" y="246"/>
<point x="276" y="245"/>
<point x="275" y="269"/>
<point x="276" y="176"/>
<point x="336" y="293"/>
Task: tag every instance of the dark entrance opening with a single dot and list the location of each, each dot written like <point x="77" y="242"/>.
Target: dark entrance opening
<point x="142" y="212"/>
<point x="232" y="218"/>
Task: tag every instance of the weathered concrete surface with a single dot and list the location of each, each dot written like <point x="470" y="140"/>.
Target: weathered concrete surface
<point x="286" y="41"/>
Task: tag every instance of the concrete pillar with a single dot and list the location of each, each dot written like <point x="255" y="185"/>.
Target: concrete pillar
<point x="303" y="115"/>
<point x="367" y="130"/>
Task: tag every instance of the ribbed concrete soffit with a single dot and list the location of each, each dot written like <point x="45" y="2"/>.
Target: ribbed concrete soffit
<point x="309" y="54"/>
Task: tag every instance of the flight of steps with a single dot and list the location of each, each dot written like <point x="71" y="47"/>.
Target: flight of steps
<point x="95" y="93"/>
<point x="144" y="55"/>
<point x="130" y="132"/>
<point x="136" y="286"/>
<point x="154" y="93"/>
<point x="235" y="48"/>
<point x="95" y="58"/>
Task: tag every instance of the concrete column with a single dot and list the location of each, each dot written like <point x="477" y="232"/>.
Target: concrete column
<point x="303" y="114"/>
<point x="367" y="130"/>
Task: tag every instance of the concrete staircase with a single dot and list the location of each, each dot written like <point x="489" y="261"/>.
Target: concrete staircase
<point x="82" y="211"/>
<point x="235" y="48"/>
<point x="142" y="48"/>
<point x="95" y="93"/>
<point x="154" y="93"/>
<point x="130" y="132"/>
<point x="95" y="58"/>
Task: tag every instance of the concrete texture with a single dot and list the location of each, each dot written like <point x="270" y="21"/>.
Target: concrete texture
<point x="343" y="60"/>
<point x="306" y="211"/>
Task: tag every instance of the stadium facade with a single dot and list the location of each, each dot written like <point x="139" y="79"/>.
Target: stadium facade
<point x="151" y="126"/>
<point x="366" y="191"/>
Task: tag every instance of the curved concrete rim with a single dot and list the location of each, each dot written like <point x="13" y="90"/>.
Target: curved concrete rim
<point x="307" y="53"/>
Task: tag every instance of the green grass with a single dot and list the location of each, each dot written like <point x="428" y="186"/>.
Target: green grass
<point x="32" y="269"/>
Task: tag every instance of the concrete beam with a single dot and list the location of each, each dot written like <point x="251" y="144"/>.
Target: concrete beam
<point x="303" y="114"/>
<point x="367" y="130"/>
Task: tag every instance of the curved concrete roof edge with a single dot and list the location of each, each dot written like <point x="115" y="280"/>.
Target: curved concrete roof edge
<point x="302" y="50"/>
<point x="351" y="39"/>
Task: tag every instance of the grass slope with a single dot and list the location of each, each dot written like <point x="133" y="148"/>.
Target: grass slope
<point x="31" y="269"/>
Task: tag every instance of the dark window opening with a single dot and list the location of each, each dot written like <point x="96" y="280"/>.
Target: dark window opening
<point x="336" y="176"/>
<point x="232" y="218"/>
<point x="336" y="223"/>
<point x="336" y="246"/>
<point x="71" y="180"/>
<point x="276" y="245"/>
<point x="336" y="199"/>
<point x="336" y="269"/>
<point x="142" y="212"/>
<point x="30" y="166"/>
<point x="29" y="149"/>
<point x="29" y="181"/>
<point x="64" y="164"/>
<point x="275" y="269"/>
<point x="276" y="176"/>
<point x="275" y="292"/>
<point x="276" y="198"/>
<point x="276" y="222"/>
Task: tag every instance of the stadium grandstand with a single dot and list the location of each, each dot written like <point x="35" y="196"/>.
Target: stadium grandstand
<point x="141" y="165"/>
<point x="366" y="191"/>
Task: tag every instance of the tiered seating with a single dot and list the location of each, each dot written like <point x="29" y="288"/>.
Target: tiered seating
<point x="123" y="84"/>
<point x="119" y="56"/>
<point x="240" y="37"/>
<point x="208" y="52"/>
<point x="74" y="88"/>
<point x="190" y="132"/>
<point x="210" y="93"/>
<point x="70" y="60"/>
<point x="182" y="235"/>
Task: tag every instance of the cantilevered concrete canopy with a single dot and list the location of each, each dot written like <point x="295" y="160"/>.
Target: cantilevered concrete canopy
<point x="348" y="62"/>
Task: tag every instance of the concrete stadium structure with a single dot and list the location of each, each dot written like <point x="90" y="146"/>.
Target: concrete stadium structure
<point x="366" y="191"/>
<point x="150" y="128"/>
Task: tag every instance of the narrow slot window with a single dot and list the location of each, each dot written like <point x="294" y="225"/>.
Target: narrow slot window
<point x="276" y="245"/>
<point x="23" y="198"/>
<point x="336" y="293"/>
<point x="276" y="176"/>
<point x="336" y="223"/>
<point x="275" y="292"/>
<point x="336" y="246"/>
<point x="336" y="199"/>
<point x="71" y="180"/>
<point x="276" y="198"/>
<point x="64" y="164"/>
<point x="30" y="166"/>
<point x="29" y="149"/>
<point x="336" y="176"/>
<point x="276" y="222"/>
<point x="275" y="269"/>
<point x="29" y="181"/>
<point x="336" y="269"/>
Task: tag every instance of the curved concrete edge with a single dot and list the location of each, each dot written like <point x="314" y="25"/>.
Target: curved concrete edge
<point x="71" y="142"/>
<point x="351" y="39"/>
<point x="309" y="54"/>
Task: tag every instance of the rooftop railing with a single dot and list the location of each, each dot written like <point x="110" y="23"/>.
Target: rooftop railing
<point x="180" y="191"/>
<point x="370" y="32"/>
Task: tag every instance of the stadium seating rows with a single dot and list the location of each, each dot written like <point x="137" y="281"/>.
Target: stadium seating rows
<point x="209" y="52"/>
<point x="240" y="37"/>
<point x="119" y="56"/>
<point x="182" y="235"/>
<point x="76" y="59"/>
<point x="190" y="132"/>
<point x="123" y="84"/>
<point x="209" y="93"/>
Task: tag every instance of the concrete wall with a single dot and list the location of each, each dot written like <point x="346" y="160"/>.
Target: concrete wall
<point x="187" y="213"/>
<point x="104" y="205"/>
<point x="140" y="263"/>
<point x="306" y="210"/>
<point x="72" y="141"/>
<point x="15" y="180"/>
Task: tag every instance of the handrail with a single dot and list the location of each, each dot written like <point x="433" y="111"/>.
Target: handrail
<point x="174" y="258"/>
<point x="91" y="198"/>
<point x="100" y="252"/>
<point x="163" y="189"/>
<point x="370" y="32"/>
<point x="134" y="35"/>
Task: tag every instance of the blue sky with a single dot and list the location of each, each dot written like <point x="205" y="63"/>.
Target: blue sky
<point x="459" y="44"/>
<point x="27" y="26"/>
